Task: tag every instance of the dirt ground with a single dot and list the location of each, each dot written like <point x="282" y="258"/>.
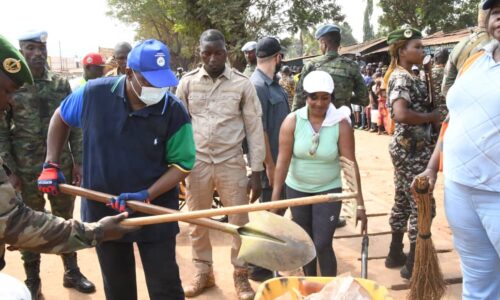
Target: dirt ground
<point x="378" y="189"/>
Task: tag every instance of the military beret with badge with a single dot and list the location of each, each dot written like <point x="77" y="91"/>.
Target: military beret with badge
<point x="13" y="64"/>
<point x="37" y="36"/>
<point x="324" y="29"/>
<point x="249" y="46"/>
<point x="404" y="33"/>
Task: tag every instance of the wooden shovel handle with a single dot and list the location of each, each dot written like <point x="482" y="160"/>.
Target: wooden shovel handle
<point x="143" y="207"/>
<point x="184" y="216"/>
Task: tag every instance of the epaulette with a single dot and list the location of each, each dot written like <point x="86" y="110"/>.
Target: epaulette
<point x="239" y="73"/>
<point x="192" y="72"/>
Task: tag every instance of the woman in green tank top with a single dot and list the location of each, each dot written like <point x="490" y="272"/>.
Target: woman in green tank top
<point x="311" y="141"/>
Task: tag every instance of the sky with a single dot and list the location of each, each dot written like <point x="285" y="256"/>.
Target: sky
<point x="77" y="27"/>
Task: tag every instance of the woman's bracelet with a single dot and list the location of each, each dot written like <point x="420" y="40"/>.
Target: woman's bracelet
<point x="361" y="207"/>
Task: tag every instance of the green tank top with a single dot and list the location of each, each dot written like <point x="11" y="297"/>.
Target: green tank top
<point x="319" y="172"/>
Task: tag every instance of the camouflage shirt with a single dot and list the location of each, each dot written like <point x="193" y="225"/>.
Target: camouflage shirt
<point x="24" y="128"/>
<point x="346" y="77"/>
<point x="438" y="98"/>
<point x="24" y="228"/>
<point x="463" y="50"/>
<point x="288" y="85"/>
<point x="249" y="69"/>
<point x="403" y="85"/>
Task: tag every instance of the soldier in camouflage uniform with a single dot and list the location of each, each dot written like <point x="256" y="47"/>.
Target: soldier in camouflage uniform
<point x="345" y="72"/>
<point x="437" y="72"/>
<point x="464" y="49"/>
<point x="249" y="51"/>
<point x="23" y="132"/>
<point x="411" y="146"/>
<point x="287" y="84"/>
<point x="20" y="226"/>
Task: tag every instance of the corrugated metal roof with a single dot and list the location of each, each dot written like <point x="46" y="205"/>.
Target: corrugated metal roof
<point x="360" y="48"/>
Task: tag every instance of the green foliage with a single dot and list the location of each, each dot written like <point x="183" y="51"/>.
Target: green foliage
<point x="179" y="23"/>
<point x="428" y="15"/>
<point x="367" y="26"/>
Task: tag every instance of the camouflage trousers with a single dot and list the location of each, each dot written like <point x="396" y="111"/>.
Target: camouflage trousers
<point x="61" y="205"/>
<point x="406" y="166"/>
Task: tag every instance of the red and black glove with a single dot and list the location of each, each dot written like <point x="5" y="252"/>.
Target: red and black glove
<point x="50" y="178"/>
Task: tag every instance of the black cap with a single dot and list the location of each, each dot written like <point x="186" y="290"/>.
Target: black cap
<point x="488" y="4"/>
<point x="268" y="46"/>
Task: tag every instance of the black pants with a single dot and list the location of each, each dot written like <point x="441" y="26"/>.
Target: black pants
<point x="160" y="269"/>
<point x="319" y="221"/>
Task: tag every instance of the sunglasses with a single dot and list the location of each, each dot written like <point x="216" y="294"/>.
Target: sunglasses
<point x="314" y="144"/>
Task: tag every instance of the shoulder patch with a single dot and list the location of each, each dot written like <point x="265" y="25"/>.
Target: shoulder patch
<point x="191" y="72"/>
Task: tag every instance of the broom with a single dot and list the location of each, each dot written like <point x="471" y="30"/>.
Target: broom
<point x="427" y="281"/>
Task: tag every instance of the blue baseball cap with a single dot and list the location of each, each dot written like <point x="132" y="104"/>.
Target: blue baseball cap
<point x="152" y="59"/>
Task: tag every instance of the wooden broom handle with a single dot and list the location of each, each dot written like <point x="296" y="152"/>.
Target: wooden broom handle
<point x="143" y="207"/>
<point x="184" y="216"/>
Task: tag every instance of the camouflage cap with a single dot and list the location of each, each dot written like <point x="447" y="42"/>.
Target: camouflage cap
<point x="13" y="64"/>
<point x="405" y="33"/>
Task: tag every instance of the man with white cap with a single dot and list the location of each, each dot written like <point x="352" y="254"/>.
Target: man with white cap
<point x="137" y="137"/>
<point x="249" y="51"/>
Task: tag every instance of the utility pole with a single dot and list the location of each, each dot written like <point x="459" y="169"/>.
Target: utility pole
<point x="60" y="57"/>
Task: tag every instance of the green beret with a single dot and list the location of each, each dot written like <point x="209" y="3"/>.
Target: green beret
<point x="405" y="33"/>
<point x="13" y="64"/>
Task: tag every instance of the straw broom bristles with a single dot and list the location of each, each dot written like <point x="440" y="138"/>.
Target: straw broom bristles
<point x="427" y="281"/>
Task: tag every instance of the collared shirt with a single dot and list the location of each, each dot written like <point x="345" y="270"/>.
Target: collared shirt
<point x="223" y="111"/>
<point x="127" y="150"/>
<point x="346" y="76"/>
<point x="274" y="102"/>
<point x="249" y="69"/>
<point x="472" y="141"/>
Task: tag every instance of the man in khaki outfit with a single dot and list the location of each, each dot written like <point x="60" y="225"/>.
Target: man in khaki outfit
<point x="225" y="109"/>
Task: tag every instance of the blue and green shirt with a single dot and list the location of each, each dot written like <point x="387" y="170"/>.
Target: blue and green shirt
<point x="126" y="150"/>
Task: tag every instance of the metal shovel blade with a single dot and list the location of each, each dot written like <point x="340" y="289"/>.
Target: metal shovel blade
<point x="274" y="242"/>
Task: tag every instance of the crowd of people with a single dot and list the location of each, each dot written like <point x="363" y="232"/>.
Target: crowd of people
<point x="102" y="130"/>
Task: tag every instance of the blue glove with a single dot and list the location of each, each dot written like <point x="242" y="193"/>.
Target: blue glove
<point x="50" y="178"/>
<point x="119" y="203"/>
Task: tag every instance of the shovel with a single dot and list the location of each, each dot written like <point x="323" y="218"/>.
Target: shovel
<point x="268" y="240"/>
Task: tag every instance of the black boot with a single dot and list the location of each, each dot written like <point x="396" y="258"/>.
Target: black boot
<point x="396" y="257"/>
<point x="72" y="276"/>
<point x="32" y="281"/>
<point x="407" y="270"/>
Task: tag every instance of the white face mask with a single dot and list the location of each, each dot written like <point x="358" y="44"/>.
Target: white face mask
<point x="149" y="95"/>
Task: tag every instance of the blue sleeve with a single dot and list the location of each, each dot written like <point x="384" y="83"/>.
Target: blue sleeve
<point x="71" y="108"/>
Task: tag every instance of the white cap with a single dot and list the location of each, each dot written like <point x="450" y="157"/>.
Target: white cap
<point x="318" y="81"/>
<point x="414" y="67"/>
<point x="249" y="46"/>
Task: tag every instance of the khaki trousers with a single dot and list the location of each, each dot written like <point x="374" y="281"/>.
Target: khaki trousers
<point x="230" y="180"/>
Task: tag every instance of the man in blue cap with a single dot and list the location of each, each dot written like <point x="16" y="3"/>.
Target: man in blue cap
<point x="17" y="222"/>
<point x="22" y="146"/>
<point x="345" y="72"/>
<point x="137" y="139"/>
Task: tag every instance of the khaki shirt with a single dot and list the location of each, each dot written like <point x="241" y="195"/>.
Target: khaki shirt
<point x="223" y="113"/>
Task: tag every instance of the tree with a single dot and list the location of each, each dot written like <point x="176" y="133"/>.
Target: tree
<point x="179" y="23"/>
<point x="347" y="37"/>
<point x="428" y="15"/>
<point x="367" y="25"/>
<point x="304" y="14"/>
